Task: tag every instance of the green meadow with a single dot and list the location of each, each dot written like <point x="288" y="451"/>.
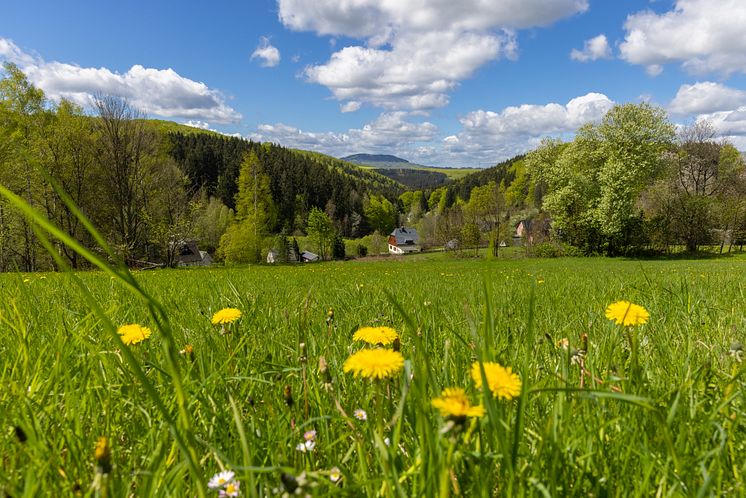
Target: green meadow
<point x="650" y="410"/>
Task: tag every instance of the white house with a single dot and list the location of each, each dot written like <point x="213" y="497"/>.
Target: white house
<point x="404" y="240"/>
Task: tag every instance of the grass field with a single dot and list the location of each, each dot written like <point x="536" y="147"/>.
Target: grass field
<point x="657" y="410"/>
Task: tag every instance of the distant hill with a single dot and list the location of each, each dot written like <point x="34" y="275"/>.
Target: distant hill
<point x="396" y="168"/>
<point x="374" y="159"/>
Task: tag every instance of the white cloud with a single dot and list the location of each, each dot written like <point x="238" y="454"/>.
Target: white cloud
<point x="486" y="138"/>
<point x="269" y="55"/>
<point x="493" y="136"/>
<point x="198" y="124"/>
<point x="706" y="97"/>
<point x="593" y="49"/>
<point x="705" y="36"/>
<point x="161" y="92"/>
<point x="415" y="51"/>
<point x="390" y="133"/>
<point x="729" y="124"/>
<point x="351" y="106"/>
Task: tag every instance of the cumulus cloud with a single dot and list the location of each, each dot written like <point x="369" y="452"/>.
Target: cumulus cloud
<point x="486" y="137"/>
<point x="702" y="35"/>
<point x="706" y="97"/>
<point x="351" y="106"/>
<point x="391" y="132"/>
<point x="492" y="136"/>
<point x="593" y="49"/>
<point x="415" y="51"/>
<point x="269" y="55"/>
<point x="729" y="124"/>
<point x="161" y="92"/>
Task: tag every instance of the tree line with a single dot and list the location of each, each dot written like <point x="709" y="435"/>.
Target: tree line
<point x="630" y="184"/>
<point x="149" y="191"/>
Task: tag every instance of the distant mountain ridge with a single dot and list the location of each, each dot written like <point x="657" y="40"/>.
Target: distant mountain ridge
<point x="374" y="159"/>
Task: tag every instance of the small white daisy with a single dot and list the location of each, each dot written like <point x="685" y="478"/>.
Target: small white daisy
<point x="231" y="489"/>
<point x="335" y="474"/>
<point x="360" y="414"/>
<point x="309" y="435"/>
<point x="221" y="479"/>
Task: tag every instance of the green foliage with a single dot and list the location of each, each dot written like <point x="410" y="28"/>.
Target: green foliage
<point x="547" y="250"/>
<point x="380" y="214"/>
<point x="321" y="231"/>
<point x="594" y="183"/>
<point x="255" y="215"/>
<point x="470" y="236"/>
<point x="338" y="248"/>
<point x="211" y="219"/>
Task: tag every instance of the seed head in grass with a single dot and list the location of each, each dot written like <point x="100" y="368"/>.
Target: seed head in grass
<point x="502" y="382"/>
<point x="226" y="316"/>
<point x="376" y="335"/>
<point x="133" y="333"/>
<point x="374" y="363"/>
<point x="221" y="479"/>
<point x="627" y="314"/>
<point x="454" y="403"/>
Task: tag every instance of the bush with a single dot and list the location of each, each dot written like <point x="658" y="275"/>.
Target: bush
<point x="362" y="250"/>
<point x="547" y="250"/>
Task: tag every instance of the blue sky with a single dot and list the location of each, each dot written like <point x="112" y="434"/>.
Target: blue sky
<point x="464" y="83"/>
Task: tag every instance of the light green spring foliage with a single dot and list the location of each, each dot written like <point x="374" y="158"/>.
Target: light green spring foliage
<point x="595" y="181"/>
<point x="255" y="215"/>
<point x="674" y="428"/>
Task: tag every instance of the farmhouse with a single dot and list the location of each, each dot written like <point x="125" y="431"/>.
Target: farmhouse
<point x="404" y="240"/>
<point x="190" y="255"/>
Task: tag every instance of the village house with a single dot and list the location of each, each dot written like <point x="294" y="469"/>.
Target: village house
<point x="309" y="257"/>
<point x="404" y="240"/>
<point x="190" y="255"/>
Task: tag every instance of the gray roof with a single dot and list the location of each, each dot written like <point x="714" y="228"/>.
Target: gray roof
<point x="406" y="236"/>
<point x="189" y="253"/>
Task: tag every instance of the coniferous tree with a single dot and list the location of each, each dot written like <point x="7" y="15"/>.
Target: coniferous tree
<point x="255" y="215"/>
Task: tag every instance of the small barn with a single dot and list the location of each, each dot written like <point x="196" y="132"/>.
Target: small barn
<point x="309" y="257"/>
<point x="190" y="255"/>
<point x="404" y="240"/>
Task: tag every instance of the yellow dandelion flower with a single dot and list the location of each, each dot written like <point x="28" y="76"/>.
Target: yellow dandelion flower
<point x="225" y="316"/>
<point x="453" y="402"/>
<point x="376" y="335"/>
<point x="503" y="383"/>
<point x="374" y="363"/>
<point x="102" y="454"/>
<point x="133" y="333"/>
<point x="627" y="314"/>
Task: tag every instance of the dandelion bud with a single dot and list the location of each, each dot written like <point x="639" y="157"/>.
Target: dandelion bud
<point x="188" y="351"/>
<point x="20" y="434"/>
<point x="102" y="453"/>
<point x="302" y="347"/>
<point x="323" y="367"/>
<point x="287" y="393"/>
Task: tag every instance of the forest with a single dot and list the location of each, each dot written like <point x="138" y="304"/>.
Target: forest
<point x="632" y="184"/>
